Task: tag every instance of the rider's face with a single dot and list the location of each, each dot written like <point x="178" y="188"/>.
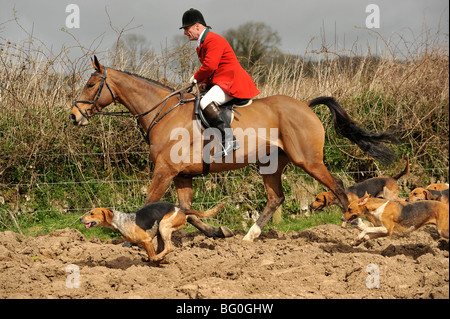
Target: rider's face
<point x="193" y="32"/>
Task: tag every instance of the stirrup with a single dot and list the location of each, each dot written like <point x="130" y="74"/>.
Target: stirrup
<point x="233" y="146"/>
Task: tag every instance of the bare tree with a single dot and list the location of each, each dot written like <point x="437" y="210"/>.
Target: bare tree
<point x="137" y="50"/>
<point x="252" y="42"/>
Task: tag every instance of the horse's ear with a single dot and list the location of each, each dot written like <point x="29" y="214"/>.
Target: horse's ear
<point x="96" y="64"/>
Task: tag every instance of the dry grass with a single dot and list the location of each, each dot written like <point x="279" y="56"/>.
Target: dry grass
<point x="409" y="92"/>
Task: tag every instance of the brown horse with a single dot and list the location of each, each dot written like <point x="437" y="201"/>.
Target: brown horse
<point x="272" y="132"/>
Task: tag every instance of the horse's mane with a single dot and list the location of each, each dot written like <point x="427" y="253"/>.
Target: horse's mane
<point x="147" y="79"/>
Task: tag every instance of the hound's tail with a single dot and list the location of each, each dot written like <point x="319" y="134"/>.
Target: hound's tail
<point x="371" y="143"/>
<point x="404" y="172"/>
<point x="209" y="213"/>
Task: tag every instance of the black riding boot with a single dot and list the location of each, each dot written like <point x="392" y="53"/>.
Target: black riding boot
<point x="218" y="119"/>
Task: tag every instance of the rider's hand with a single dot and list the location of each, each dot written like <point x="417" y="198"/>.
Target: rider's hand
<point x="202" y="87"/>
<point x="192" y="80"/>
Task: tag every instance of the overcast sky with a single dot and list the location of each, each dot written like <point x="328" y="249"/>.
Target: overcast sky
<point x="296" y="21"/>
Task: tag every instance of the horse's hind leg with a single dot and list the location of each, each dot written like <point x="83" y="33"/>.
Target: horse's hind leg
<point x="320" y="172"/>
<point x="183" y="184"/>
<point x="275" y="198"/>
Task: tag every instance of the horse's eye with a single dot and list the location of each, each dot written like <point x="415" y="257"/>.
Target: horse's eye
<point x="90" y="85"/>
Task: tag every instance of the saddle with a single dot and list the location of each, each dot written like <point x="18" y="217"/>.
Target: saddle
<point x="228" y="108"/>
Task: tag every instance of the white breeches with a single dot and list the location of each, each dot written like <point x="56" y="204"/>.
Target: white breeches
<point x="215" y="94"/>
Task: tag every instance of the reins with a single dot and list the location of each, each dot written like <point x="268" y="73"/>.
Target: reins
<point x="156" y="119"/>
<point x="164" y="100"/>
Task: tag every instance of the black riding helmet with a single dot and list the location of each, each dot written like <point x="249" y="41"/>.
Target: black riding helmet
<point x="191" y="17"/>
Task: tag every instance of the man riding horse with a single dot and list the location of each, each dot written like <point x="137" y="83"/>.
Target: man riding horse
<point x="299" y="140"/>
<point x="220" y="72"/>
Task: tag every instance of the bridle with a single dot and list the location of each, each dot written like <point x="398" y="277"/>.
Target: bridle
<point x="94" y="108"/>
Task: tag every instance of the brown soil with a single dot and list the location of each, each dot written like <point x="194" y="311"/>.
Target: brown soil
<point x="315" y="263"/>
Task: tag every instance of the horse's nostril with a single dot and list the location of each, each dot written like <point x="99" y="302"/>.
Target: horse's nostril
<point x="72" y="117"/>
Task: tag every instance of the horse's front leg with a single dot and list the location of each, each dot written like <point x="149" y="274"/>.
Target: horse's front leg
<point x="184" y="191"/>
<point x="183" y="184"/>
<point x="162" y="176"/>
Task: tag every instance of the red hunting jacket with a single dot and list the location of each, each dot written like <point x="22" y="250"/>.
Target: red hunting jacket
<point x="221" y="67"/>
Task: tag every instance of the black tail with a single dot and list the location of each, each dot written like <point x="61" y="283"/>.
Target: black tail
<point x="371" y="143"/>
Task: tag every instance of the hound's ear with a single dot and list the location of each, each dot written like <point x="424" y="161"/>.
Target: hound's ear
<point x="363" y="200"/>
<point x="108" y="215"/>
<point x="427" y="194"/>
<point x="325" y="200"/>
<point x="97" y="66"/>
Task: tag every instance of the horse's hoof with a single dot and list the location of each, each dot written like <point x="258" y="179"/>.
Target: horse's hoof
<point x="159" y="262"/>
<point x="226" y="232"/>
<point x="156" y="261"/>
<point x="253" y="233"/>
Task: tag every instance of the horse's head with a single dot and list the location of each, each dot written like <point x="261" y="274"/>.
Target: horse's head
<point x="96" y="95"/>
